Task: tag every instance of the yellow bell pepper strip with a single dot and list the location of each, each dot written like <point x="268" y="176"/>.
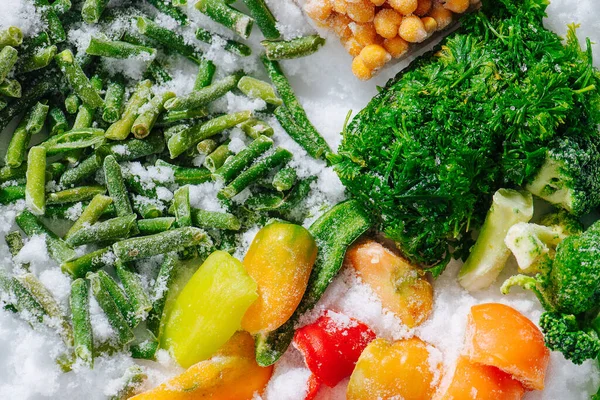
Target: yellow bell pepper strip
<point x="280" y="260"/>
<point x="231" y="374"/>
<point x="209" y="309"/>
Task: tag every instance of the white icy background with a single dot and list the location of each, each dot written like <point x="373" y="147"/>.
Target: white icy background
<point x="327" y="89"/>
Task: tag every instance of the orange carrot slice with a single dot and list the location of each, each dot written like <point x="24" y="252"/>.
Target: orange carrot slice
<point x="479" y="382"/>
<point x="401" y="287"/>
<point x="501" y="337"/>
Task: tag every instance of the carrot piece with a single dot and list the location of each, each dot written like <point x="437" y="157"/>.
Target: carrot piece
<point x="401" y="287"/>
<point x="232" y="374"/>
<point x="472" y="381"/>
<point x="501" y="337"/>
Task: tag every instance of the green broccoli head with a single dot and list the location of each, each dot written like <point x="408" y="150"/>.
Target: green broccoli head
<point x="571" y="282"/>
<point x="569" y="176"/>
<point x="562" y="332"/>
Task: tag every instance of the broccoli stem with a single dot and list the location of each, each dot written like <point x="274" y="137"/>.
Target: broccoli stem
<point x="490" y="253"/>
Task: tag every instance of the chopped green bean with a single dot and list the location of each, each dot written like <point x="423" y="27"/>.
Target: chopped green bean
<point x="135" y="291"/>
<point x="91" y="214"/>
<point x="39" y="58"/>
<point x="264" y="18"/>
<point x="72" y="103"/>
<point x="169" y="9"/>
<point x="206" y="72"/>
<point x="155" y="225"/>
<point x="207" y="146"/>
<point x="147" y="208"/>
<point x="182" y="208"/>
<point x="307" y="135"/>
<point x="35" y="189"/>
<point x="132" y="149"/>
<point x="77" y="79"/>
<point x="236" y="164"/>
<point x="185" y="175"/>
<point x="59" y="250"/>
<point x="92" y="10"/>
<point x="217" y="158"/>
<point x="121" y="129"/>
<point x="116" y="186"/>
<point x="61" y="7"/>
<point x="168" y="38"/>
<point x="23" y="302"/>
<point x="57" y="121"/>
<point x="148" y="246"/>
<point x="183" y="140"/>
<point x="14" y="241"/>
<point x="145" y="345"/>
<point x="73" y="139"/>
<point x="229" y="45"/>
<point x="145" y="121"/>
<point x="10" y="88"/>
<point x="36" y="119"/>
<point x="91" y="262"/>
<point x="175" y="116"/>
<point x="257" y="89"/>
<point x="8" y="58"/>
<point x="30" y="96"/>
<point x="74" y="195"/>
<point x="10" y="194"/>
<point x="104" y="47"/>
<point x="203" y="96"/>
<point x="11" y="36"/>
<point x="54" y="171"/>
<point x="160" y="291"/>
<point x="83" y="170"/>
<point x="107" y="231"/>
<point x="113" y="100"/>
<point x="215" y="220"/>
<point x="82" y="326"/>
<point x="108" y="305"/>
<point x="15" y="154"/>
<point x="254" y="128"/>
<point x="54" y="27"/>
<point x="220" y="12"/>
<point x="256" y="171"/>
<point x="294" y="48"/>
<point x="285" y="179"/>
<point x="56" y="319"/>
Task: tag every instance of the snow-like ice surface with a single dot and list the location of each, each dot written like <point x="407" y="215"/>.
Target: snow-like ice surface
<point x="327" y="89"/>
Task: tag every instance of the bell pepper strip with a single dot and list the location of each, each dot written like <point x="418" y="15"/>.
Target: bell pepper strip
<point x="314" y="385"/>
<point x="332" y="345"/>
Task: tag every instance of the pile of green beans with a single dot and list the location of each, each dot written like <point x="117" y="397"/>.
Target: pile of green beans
<point x="88" y="124"/>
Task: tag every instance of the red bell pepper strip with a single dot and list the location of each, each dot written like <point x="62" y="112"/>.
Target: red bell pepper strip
<point x="313" y="387"/>
<point x="331" y="346"/>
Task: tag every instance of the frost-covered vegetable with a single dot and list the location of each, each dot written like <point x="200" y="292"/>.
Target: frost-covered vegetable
<point x="489" y="255"/>
<point x="209" y="309"/>
<point x="410" y="155"/>
<point x="280" y="260"/>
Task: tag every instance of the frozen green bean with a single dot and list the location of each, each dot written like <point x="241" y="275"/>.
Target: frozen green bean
<point x="92" y="10"/>
<point x="57" y="121"/>
<point x="113" y="100"/>
<point x="107" y="231"/>
<point x="8" y="58"/>
<point x="285" y="179"/>
<point x="104" y="47"/>
<point x="215" y="220"/>
<point x="73" y="139"/>
<point x="82" y="326"/>
<point x="74" y="195"/>
<point x="168" y="38"/>
<point x="121" y="129"/>
<point x="116" y="186"/>
<point x="294" y="48"/>
<point x="186" y="175"/>
<point x="35" y="189"/>
<point x="10" y="194"/>
<point x="80" y="172"/>
<point x="155" y="225"/>
<point x="145" y="121"/>
<point x="200" y="98"/>
<point x="91" y="262"/>
<point x="11" y="36"/>
<point x="217" y="158"/>
<point x="264" y="18"/>
<point x="135" y="291"/>
<point x="59" y="250"/>
<point x="77" y="79"/>
<point x="237" y="163"/>
<point x="254" y="128"/>
<point x="229" y="45"/>
<point x="220" y="12"/>
<point x="91" y="214"/>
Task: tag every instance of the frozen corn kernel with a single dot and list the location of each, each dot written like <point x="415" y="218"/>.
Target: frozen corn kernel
<point x="442" y="16"/>
<point x="430" y="24"/>
<point x="412" y="29"/>
<point x="340" y="25"/>
<point x="352" y="46"/>
<point x="360" y="70"/>
<point x="423" y="7"/>
<point x="457" y="6"/>
<point x="374" y="56"/>
<point x="387" y="21"/>
<point x="340" y="6"/>
<point x="378" y="3"/>
<point x="361" y="11"/>
<point x="397" y="47"/>
<point x="404" y="7"/>
<point x="319" y="10"/>
<point x="365" y="34"/>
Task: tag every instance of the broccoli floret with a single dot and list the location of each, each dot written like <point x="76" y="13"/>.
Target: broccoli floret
<point x="571" y="284"/>
<point x="569" y="176"/>
<point x="562" y="332"/>
<point x="534" y="245"/>
<point x="489" y="254"/>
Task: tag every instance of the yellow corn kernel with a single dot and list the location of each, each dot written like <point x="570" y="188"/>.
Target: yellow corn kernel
<point x="412" y="29"/>
<point x="365" y="34"/>
<point x="340" y="25"/>
<point x="360" y="70"/>
<point x="457" y="6"/>
<point x="404" y="7"/>
<point x="352" y="46"/>
<point x="423" y="7"/>
<point x="387" y="21"/>
<point x="442" y="16"/>
<point x="319" y="10"/>
<point x="378" y="3"/>
<point x="340" y="6"/>
<point x="374" y="56"/>
<point x="430" y="24"/>
<point x="397" y="47"/>
<point x="361" y="11"/>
